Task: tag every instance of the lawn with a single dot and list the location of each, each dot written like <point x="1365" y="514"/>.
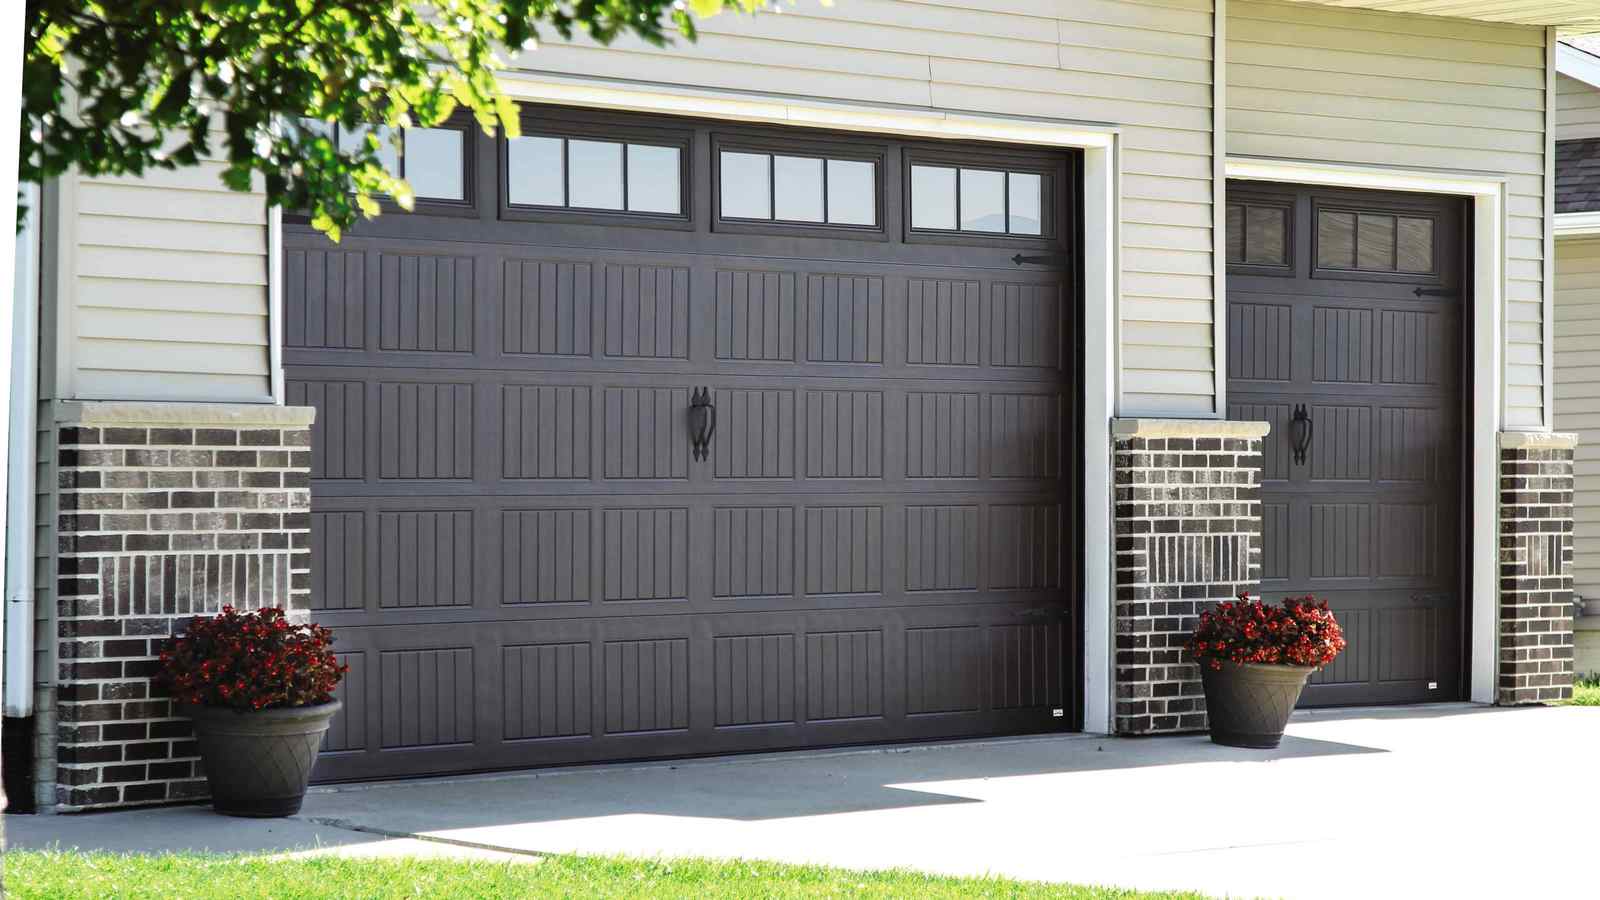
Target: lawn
<point x="1586" y="692"/>
<point x="31" y="874"/>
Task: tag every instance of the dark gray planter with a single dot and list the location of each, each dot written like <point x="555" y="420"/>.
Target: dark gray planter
<point x="1248" y="704"/>
<point x="258" y="762"/>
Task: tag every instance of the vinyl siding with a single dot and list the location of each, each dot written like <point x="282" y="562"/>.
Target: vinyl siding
<point x="1408" y="91"/>
<point x="1577" y="109"/>
<point x="1145" y="66"/>
<point x="168" y="297"/>
<point x="1578" y="394"/>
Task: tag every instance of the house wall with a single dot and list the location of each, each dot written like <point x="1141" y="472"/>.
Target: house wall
<point x="1417" y="92"/>
<point x="1578" y="394"/>
<point x="1577" y="109"/>
<point x="1143" y="65"/>
<point x="162" y="289"/>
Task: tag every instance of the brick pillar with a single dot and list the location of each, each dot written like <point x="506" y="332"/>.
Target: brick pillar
<point x="1188" y="533"/>
<point x="1536" y="615"/>
<point x="165" y="511"/>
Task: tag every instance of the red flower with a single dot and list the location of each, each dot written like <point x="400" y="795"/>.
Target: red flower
<point x="1300" y="632"/>
<point x="251" y="660"/>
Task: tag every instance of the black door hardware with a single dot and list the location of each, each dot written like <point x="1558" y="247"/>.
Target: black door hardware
<point x="1047" y="259"/>
<point x="702" y="422"/>
<point x="1301" y="429"/>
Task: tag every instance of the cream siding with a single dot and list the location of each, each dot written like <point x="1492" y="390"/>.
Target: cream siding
<point x="1346" y="86"/>
<point x="1145" y="66"/>
<point x="1577" y="109"/>
<point x="165" y="297"/>
<point x="1578" y="393"/>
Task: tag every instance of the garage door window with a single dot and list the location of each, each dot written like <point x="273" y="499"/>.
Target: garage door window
<point x="586" y="174"/>
<point x="807" y="190"/>
<point x="432" y="160"/>
<point x="977" y="201"/>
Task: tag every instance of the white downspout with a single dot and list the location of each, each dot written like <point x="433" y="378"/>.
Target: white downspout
<point x="17" y="688"/>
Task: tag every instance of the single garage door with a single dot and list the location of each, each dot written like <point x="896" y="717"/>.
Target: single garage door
<point x="527" y="553"/>
<point x="1345" y="309"/>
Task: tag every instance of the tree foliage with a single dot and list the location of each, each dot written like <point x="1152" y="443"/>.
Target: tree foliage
<point x="115" y="87"/>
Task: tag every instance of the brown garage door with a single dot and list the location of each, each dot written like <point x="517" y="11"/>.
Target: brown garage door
<point x="1348" y="306"/>
<point x="525" y="558"/>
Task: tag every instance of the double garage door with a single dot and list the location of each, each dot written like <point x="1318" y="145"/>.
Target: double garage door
<point x="534" y="551"/>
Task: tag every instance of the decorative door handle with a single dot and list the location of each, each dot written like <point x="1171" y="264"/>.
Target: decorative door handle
<point x="1301" y="429"/>
<point x="702" y="422"/>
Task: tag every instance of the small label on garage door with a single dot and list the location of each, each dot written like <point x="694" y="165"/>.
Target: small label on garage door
<point x="1058" y="713"/>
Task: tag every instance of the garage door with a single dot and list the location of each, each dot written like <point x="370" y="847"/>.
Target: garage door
<point x="650" y="437"/>
<point x="1345" y="310"/>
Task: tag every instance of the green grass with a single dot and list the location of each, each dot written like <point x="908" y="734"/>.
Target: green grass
<point x="64" y="874"/>
<point x="1586" y="691"/>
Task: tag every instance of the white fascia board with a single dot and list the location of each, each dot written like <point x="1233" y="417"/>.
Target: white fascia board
<point x="1575" y="63"/>
<point x="1578" y="223"/>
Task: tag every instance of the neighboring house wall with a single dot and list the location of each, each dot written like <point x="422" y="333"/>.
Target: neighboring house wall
<point x="1414" y="92"/>
<point x="1578" y="394"/>
<point x="1145" y="66"/>
<point x="1577" y="109"/>
<point x="163" y="281"/>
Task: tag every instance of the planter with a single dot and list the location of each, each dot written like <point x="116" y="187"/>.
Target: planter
<point x="1248" y="704"/>
<point x="258" y="762"/>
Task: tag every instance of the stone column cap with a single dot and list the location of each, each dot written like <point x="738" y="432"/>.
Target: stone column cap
<point x="136" y="414"/>
<point x="1538" y="440"/>
<point x="1187" y="428"/>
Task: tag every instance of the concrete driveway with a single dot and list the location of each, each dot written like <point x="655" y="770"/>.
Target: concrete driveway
<point x="1449" y="800"/>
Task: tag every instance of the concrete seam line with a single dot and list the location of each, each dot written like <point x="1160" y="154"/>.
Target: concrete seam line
<point x="384" y="832"/>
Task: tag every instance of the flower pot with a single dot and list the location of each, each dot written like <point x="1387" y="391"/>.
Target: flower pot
<point x="1248" y="704"/>
<point x="258" y="762"/>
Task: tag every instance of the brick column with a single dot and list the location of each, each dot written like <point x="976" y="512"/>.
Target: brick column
<point x="1188" y="533"/>
<point x="165" y="511"/>
<point x="1535" y="655"/>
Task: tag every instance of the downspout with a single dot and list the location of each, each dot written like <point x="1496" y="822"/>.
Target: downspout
<point x="17" y="687"/>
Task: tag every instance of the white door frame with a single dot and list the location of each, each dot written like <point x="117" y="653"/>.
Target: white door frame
<point x="1488" y="195"/>
<point x="1100" y="144"/>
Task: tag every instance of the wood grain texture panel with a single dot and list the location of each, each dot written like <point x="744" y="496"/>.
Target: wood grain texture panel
<point x="1277" y="538"/>
<point x="338" y="560"/>
<point x="1025" y="666"/>
<point x="1276" y="446"/>
<point x="427" y="697"/>
<point x="646" y="432"/>
<point x="756" y="315"/>
<point x="547" y="691"/>
<point x="1341" y="443"/>
<point x="348" y="730"/>
<point x="325" y="299"/>
<point x="1259" y="341"/>
<point x="844" y="319"/>
<point x="1411" y="444"/>
<point x="425" y="302"/>
<point x="1342" y="345"/>
<point x="1408" y="539"/>
<point x="844" y="434"/>
<point x="942" y="548"/>
<point x="844" y="675"/>
<point x="646" y="554"/>
<point x="1354" y="665"/>
<point x="944" y="322"/>
<point x="1414" y="349"/>
<point x="944" y="670"/>
<point x="755" y="435"/>
<point x="339" y="432"/>
<point x="843" y="550"/>
<point x="547" y="556"/>
<point x="546" y="432"/>
<point x="755" y="679"/>
<point x="646" y="685"/>
<point x="1341" y="540"/>
<point x="1407" y="641"/>
<point x="1025" y="435"/>
<point x="944" y="435"/>
<point x="1025" y="325"/>
<point x="425" y="558"/>
<point x="1025" y="546"/>
<point x="426" y="430"/>
<point x="753" y="553"/>
<point x="647" y="312"/>
<point x="548" y="307"/>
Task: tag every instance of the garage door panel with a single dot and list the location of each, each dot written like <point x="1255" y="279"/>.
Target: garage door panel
<point x="526" y="564"/>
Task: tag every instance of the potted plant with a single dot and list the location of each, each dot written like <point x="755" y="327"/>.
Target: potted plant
<point x="1254" y="661"/>
<point x="260" y="693"/>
